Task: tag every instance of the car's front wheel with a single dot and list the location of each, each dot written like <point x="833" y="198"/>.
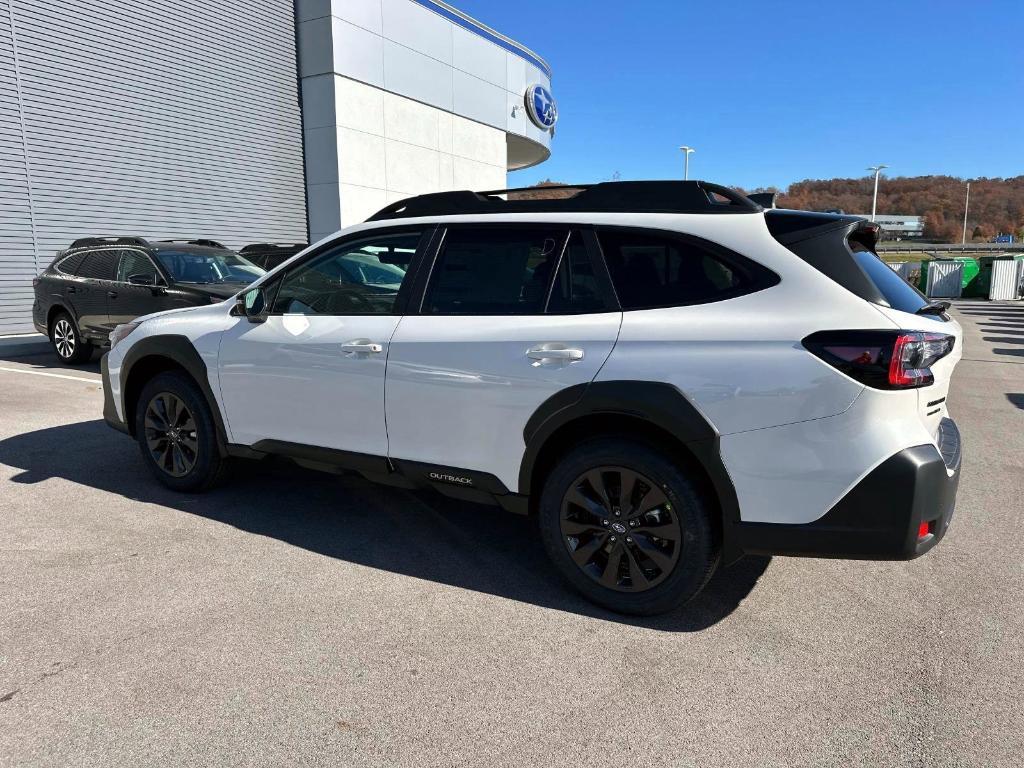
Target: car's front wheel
<point x="177" y="434"/>
<point x="628" y="527"/>
<point x="67" y="341"/>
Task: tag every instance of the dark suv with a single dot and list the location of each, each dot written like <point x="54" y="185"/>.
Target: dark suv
<point x="100" y="282"/>
<point x="270" y="255"/>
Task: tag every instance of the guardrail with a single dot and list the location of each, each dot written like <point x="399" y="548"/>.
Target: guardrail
<point x="905" y="247"/>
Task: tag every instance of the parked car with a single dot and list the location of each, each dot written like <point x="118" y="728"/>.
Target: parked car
<point x="100" y="282"/>
<point x="271" y="255"/>
<point x="667" y="375"/>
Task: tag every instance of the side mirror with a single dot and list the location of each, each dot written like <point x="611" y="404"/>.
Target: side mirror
<point x="253" y="305"/>
<point x="146" y="280"/>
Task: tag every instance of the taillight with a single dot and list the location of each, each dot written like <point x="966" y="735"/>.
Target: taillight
<point x="882" y="359"/>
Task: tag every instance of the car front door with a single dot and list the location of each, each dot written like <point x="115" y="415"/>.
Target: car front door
<point x="312" y="374"/>
<point x="127" y="299"/>
<point x="511" y="316"/>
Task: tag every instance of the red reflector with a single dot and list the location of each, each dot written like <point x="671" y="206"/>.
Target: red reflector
<point x="922" y="530"/>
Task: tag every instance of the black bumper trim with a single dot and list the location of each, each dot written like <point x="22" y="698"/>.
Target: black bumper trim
<point x="879" y="518"/>
<point x="109" y="410"/>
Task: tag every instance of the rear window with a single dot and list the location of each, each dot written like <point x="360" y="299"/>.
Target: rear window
<point x="494" y="271"/>
<point x="830" y="244"/>
<point x="576" y="288"/>
<point x="70" y="265"/>
<point x="897" y="292"/>
<point x="652" y="270"/>
<point x="100" y="265"/>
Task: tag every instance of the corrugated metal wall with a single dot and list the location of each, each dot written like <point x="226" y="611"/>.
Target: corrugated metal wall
<point x="1006" y="277"/>
<point x="161" y="119"/>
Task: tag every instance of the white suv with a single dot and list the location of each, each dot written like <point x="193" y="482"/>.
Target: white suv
<point x="666" y="374"/>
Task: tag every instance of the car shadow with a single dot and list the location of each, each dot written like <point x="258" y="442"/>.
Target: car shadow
<point x="1003" y="339"/>
<point x="1014" y="329"/>
<point x="1017" y="398"/>
<point x="418" y="534"/>
<point x="1001" y="314"/>
<point x="47" y="361"/>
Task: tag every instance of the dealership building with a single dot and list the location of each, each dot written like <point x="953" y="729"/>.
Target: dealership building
<point x="246" y="121"/>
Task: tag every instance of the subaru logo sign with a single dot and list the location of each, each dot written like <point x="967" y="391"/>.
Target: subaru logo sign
<point x="540" y="104"/>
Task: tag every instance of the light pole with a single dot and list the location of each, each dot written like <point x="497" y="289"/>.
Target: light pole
<point x="686" y="163"/>
<point x="967" y="202"/>
<point x="874" y="201"/>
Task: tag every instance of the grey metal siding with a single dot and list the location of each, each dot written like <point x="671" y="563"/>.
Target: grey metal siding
<point x="160" y="119"/>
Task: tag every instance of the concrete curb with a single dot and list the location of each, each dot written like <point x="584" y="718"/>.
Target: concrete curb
<point x="24" y="344"/>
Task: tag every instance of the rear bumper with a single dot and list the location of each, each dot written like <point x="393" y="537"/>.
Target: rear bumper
<point x="880" y="517"/>
<point x="109" y="410"/>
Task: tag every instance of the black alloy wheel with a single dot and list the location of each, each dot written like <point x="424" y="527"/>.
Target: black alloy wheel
<point x="629" y="525"/>
<point x="177" y="433"/>
<point x="620" y="529"/>
<point x="171" y="434"/>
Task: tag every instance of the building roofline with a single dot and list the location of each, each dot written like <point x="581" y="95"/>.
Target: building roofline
<point x="469" y="23"/>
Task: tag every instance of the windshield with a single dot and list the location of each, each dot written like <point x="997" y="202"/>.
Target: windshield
<point x="209" y="265"/>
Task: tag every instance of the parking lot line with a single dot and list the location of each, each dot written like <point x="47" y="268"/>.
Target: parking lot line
<point x="51" y="375"/>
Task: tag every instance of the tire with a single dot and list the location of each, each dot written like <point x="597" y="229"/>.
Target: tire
<point x="176" y="433"/>
<point x="67" y="341"/>
<point x="639" y="562"/>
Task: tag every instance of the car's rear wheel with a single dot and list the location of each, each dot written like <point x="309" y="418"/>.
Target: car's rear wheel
<point x="67" y="341"/>
<point x="177" y="434"/>
<point x="628" y="527"/>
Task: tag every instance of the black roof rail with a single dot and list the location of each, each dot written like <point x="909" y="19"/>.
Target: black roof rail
<point x="271" y="246"/>
<point x="606" y="197"/>
<point x="82" y="242"/>
<point x="195" y="241"/>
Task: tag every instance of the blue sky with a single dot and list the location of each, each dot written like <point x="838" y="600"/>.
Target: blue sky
<point x="774" y="92"/>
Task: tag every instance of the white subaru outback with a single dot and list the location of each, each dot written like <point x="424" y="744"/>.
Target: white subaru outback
<point x="666" y="374"/>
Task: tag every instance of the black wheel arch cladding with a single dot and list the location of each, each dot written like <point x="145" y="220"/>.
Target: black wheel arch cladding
<point x="179" y="352"/>
<point x="657" y="404"/>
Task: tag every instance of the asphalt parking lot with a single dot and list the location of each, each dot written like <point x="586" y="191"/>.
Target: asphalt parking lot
<point x="291" y="617"/>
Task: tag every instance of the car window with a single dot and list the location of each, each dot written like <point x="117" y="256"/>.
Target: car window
<point x="356" y="278"/>
<point x="100" y="264"/>
<point x="70" y="265"/>
<point x="652" y="270"/>
<point x="494" y="271"/>
<point x="897" y="291"/>
<point x="135" y="264"/>
<point x="576" y="288"/>
<point x="202" y="266"/>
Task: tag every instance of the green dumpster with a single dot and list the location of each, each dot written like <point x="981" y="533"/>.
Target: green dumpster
<point x="971" y="268"/>
<point x="984" y="281"/>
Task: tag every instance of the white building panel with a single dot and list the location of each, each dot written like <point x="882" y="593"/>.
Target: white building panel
<point x="445" y="109"/>
<point x="417" y="28"/>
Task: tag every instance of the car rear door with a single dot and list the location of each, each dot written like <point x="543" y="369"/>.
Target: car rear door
<point x="510" y="315"/>
<point x="92" y="292"/>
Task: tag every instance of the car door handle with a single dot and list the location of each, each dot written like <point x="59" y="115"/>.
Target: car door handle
<point x="112" y="294"/>
<point x="72" y="290"/>
<point x="359" y="345"/>
<point x="540" y="353"/>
